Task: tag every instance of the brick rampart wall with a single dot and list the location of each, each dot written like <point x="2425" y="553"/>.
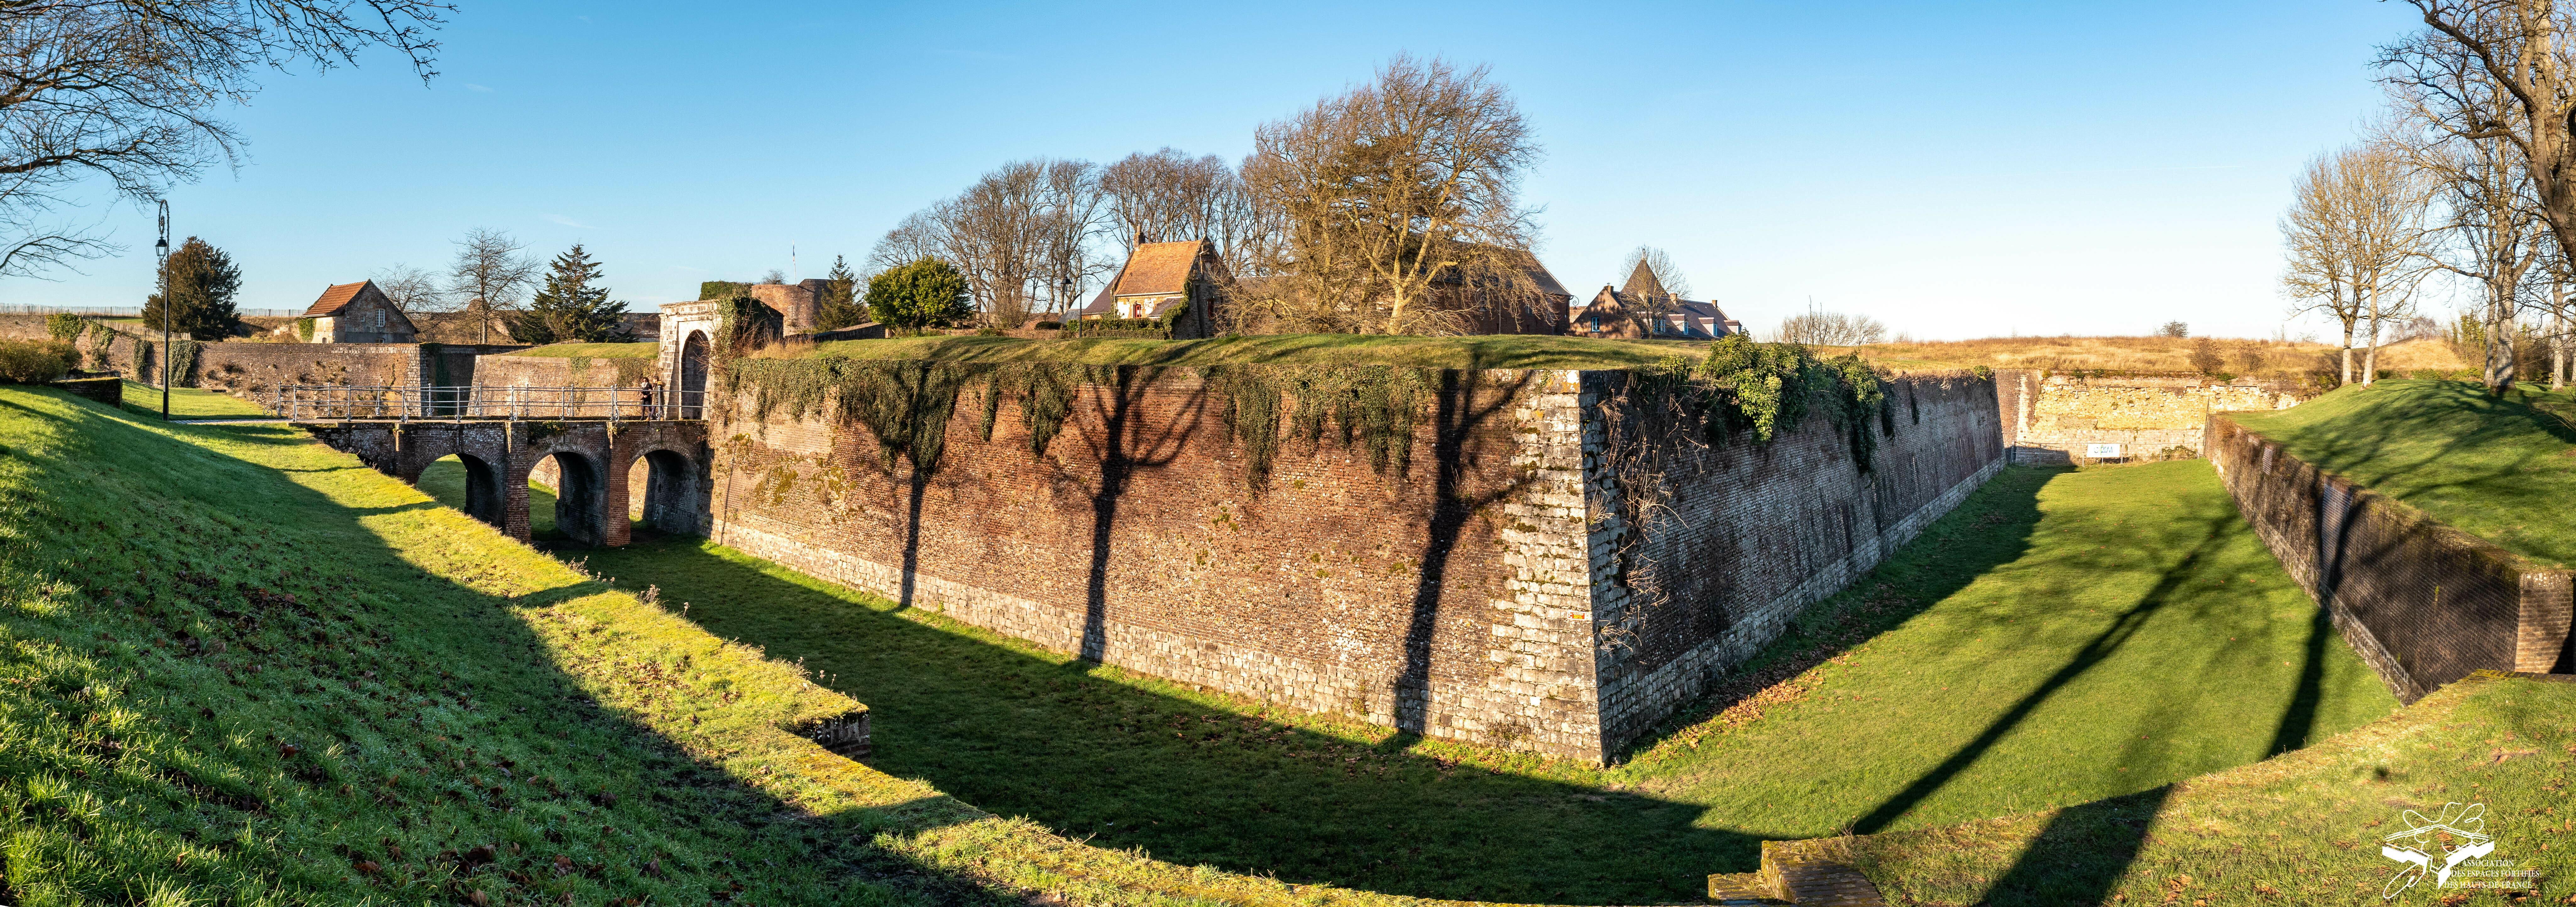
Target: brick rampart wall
<point x="2055" y="418"/>
<point x="1136" y="540"/>
<point x="1476" y="598"/>
<point x="1754" y="532"/>
<point x="250" y="370"/>
<point x="2422" y="602"/>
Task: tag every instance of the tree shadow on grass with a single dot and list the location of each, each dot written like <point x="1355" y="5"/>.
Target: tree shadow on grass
<point x="2094" y="652"/>
<point x="1988" y="530"/>
<point x="1130" y="762"/>
<point x="428" y="714"/>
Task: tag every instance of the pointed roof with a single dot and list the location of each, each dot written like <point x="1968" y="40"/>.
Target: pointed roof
<point x="337" y="297"/>
<point x="1159" y="267"/>
<point x="1643" y="283"/>
<point x="1107" y="301"/>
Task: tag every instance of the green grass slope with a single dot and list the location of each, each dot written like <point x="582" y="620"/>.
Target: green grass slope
<point x="189" y="403"/>
<point x="2303" y="828"/>
<point x="237" y="667"/>
<point x="641" y="350"/>
<point x="2498" y="468"/>
<point x="1495" y="351"/>
<point x="2063" y="637"/>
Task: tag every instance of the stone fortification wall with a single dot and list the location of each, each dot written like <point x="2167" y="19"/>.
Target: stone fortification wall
<point x="251" y="369"/>
<point x="1138" y="539"/>
<point x="1751" y="533"/>
<point x="23" y="327"/>
<point x="2055" y="418"/>
<point x="1486" y="594"/>
<point x="2422" y="602"/>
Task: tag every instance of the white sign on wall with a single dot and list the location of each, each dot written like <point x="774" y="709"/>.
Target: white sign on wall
<point x="2102" y="451"/>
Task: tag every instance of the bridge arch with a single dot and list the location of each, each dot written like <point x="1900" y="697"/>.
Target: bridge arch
<point x="581" y="495"/>
<point x="672" y="502"/>
<point x="486" y="498"/>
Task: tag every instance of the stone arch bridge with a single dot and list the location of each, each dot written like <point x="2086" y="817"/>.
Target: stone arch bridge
<point x="595" y="458"/>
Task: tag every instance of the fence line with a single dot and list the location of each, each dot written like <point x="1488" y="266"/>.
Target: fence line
<point x="325" y="401"/>
<point x="124" y="311"/>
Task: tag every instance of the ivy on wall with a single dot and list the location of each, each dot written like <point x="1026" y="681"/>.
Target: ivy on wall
<point x="65" y="326"/>
<point x="183" y="362"/>
<point x="304" y="329"/>
<point x="1158" y="326"/>
<point x="907" y="404"/>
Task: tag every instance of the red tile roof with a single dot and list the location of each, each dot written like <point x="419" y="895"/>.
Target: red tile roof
<point x="335" y="299"/>
<point x="1159" y="267"/>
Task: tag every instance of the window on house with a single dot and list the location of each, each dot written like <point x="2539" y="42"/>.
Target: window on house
<point x="1596" y="323"/>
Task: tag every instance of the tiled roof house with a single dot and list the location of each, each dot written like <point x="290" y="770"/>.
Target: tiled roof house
<point x="1497" y="315"/>
<point x="359" y="313"/>
<point x="1624" y="313"/>
<point x="1159" y="276"/>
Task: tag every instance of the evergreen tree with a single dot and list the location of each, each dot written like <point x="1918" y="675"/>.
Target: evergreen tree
<point x="923" y="292"/>
<point x="841" y="306"/>
<point x="569" y="309"/>
<point x="203" y="280"/>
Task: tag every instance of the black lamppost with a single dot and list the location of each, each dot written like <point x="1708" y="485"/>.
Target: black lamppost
<point x="161" y="254"/>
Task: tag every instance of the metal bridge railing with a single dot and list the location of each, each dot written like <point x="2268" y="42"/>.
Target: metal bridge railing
<point x="303" y="402"/>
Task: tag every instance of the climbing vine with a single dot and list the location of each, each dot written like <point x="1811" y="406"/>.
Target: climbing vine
<point x="183" y="361"/>
<point x="1158" y="326"/>
<point x="1371" y="408"/>
<point x="740" y="321"/>
<point x="304" y="330"/>
<point x="1676" y="407"/>
<point x="907" y="404"/>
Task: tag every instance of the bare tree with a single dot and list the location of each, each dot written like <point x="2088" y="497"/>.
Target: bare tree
<point x="1817" y="327"/>
<point x="2354" y="234"/>
<point x="1169" y="196"/>
<point x="2555" y="272"/>
<point x="412" y="289"/>
<point x="124" y="92"/>
<point x="2499" y="71"/>
<point x="1655" y="284"/>
<point x="914" y="238"/>
<point x="1392" y="189"/>
<point x="2493" y="226"/>
<point x="1021" y="234"/>
<point x="492" y="270"/>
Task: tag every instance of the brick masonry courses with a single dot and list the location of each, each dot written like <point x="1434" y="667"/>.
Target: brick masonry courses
<point x="2053" y="418"/>
<point x="2423" y="603"/>
<point x="1752" y="533"/>
<point x="500" y="455"/>
<point x="253" y="370"/>
<point x="1475" y="598"/>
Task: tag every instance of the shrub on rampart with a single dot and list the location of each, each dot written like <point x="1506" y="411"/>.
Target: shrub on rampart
<point x="65" y="326"/>
<point x="35" y="361"/>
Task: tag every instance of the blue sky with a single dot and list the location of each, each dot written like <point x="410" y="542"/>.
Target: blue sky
<point x="1953" y="169"/>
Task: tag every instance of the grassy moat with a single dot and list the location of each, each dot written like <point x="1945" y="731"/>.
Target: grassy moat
<point x="2026" y="705"/>
<point x="2063" y="638"/>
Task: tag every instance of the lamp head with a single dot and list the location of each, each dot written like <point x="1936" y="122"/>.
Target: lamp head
<point x="161" y="247"/>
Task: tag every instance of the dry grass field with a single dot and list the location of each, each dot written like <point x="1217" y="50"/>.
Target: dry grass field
<point x="2153" y="354"/>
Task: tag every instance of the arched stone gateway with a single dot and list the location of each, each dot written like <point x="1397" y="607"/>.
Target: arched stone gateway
<point x="692" y="380"/>
<point x="498" y="456"/>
